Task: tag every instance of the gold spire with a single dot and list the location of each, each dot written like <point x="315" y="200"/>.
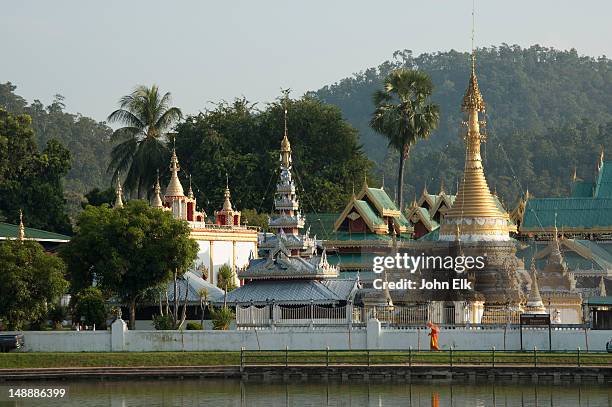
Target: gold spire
<point x="157" y="201"/>
<point x="601" y="158"/>
<point x="174" y="186"/>
<point x="118" y="195"/>
<point x="574" y="175"/>
<point x="474" y="199"/>
<point x="21" y="235"/>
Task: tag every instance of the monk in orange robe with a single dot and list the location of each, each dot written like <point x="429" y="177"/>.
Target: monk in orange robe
<point x="433" y="342"/>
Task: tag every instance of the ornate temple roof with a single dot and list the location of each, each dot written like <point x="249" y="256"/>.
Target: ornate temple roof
<point x="280" y="264"/>
<point x="587" y="210"/>
<point x="572" y="215"/>
<point x="10" y="231"/>
<point x="191" y="284"/>
<point x="294" y="292"/>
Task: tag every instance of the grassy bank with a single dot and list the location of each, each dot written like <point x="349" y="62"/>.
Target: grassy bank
<point x="119" y="359"/>
<point x="151" y="359"/>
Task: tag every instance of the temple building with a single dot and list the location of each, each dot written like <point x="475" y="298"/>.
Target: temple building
<point x="223" y="240"/>
<point x="585" y="214"/>
<point x="366" y="228"/>
<point x="291" y="284"/>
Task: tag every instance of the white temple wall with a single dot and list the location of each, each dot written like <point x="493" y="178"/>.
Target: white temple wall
<point x="372" y="337"/>
<point x="223" y="252"/>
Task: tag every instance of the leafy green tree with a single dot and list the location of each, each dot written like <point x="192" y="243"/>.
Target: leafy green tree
<point x="97" y="197"/>
<point x="404" y="115"/>
<point x="30" y="280"/>
<point x="222" y="317"/>
<point x="31" y="180"/>
<point x="147" y="117"/>
<point x="128" y="251"/>
<point x="252" y="218"/>
<point x="237" y="139"/>
<point x="90" y="307"/>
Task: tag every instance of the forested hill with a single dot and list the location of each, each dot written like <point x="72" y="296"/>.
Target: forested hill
<point x="87" y="139"/>
<point x="548" y="110"/>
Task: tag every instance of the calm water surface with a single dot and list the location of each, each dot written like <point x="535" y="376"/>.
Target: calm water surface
<point x="236" y="393"/>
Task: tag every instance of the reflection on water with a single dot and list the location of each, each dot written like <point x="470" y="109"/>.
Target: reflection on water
<point x="229" y="392"/>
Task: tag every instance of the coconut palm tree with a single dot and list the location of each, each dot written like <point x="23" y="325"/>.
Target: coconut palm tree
<point x="404" y="115"/>
<point x="147" y="117"/>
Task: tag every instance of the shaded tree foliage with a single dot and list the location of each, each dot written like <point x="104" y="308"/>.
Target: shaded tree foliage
<point x="30" y="179"/>
<point x="30" y="279"/>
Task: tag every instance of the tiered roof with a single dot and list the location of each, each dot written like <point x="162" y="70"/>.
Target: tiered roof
<point x="587" y="210"/>
<point x="378" y="213"/>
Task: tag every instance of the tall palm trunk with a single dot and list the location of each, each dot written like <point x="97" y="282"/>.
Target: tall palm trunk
<point x="400" y="179"/>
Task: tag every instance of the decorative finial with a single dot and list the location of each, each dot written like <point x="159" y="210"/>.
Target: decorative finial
<point x="601" y="158"/>
<point x="227" y="204"/>
<point x="21" y="235"/>
<point x="157" y="201"/>
<point x="442" y="186"/>
<point x="118" y="195"/>
<point x="602" y="287"/>
<point x="574" y="175"/>
<point x="365" y="179"/>
<point x="383" y="182"/>
<point x="175" y="188"/>
<point x="190" y="190"/>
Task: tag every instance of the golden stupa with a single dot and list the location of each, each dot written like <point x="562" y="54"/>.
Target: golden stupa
<point x="475" y="215"/>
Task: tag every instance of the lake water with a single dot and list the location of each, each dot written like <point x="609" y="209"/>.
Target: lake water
<point x="231" y="392"/>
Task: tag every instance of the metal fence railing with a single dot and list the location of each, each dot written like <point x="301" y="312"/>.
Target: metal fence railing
<point x="410" y="357"/>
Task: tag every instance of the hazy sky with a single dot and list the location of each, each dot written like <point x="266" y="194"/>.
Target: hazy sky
<point x="93" y="52"/>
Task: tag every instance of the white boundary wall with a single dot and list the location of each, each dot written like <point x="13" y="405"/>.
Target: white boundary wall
<point x="119" y="339"/>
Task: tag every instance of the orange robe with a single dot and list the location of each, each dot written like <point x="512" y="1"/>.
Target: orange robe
<point x="433" y="342"/>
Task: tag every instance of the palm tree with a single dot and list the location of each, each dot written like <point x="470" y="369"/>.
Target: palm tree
<point x="404" y="115"/>
<point x="147" y="117"/>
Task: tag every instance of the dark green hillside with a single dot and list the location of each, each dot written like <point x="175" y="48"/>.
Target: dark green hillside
<point x="547" y="111"/>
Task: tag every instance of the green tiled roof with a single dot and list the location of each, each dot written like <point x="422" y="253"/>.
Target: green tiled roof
<point x="582" y="189"/>
<point x="432" y="236"/>
<point x="366" y="236"/>
<point x="369" y="213"/>
<point x="600" y="300"/>
<point x="383" y="199"/>
<point x="601" y="258"/>
<point x="572" y="213"/>
<point x="10" y="231"/>
<point x="350" y="258"/>
<point x="603" y="188"/>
